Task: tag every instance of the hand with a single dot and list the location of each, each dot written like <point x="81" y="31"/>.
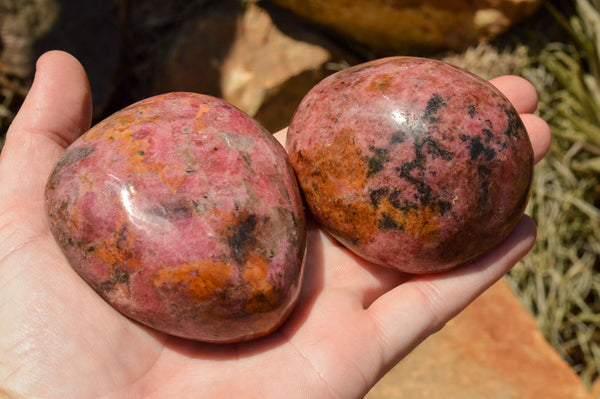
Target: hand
<point x="354" y="321"/>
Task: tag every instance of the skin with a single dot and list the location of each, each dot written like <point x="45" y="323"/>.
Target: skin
<point x="354" y="320"/>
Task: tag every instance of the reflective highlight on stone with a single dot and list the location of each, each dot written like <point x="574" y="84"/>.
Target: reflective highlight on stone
<point x="411" y="163"/>
<point x="184" y="214"/>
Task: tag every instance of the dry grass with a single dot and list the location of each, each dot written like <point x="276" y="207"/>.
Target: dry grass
<point x="560" y="281"/>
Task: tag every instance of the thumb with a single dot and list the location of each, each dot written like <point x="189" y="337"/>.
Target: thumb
<point x="57" y="110"/>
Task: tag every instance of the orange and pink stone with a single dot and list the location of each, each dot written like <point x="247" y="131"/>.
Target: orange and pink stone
<point x="184" y="214"/>
<point x="411" y="163"/>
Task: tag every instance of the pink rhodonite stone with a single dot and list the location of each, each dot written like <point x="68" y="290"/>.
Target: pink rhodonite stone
<point x="184" y="214"/>
<point x="411" y="163"/>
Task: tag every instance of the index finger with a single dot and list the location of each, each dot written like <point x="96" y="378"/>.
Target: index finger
<point x="519" y="91"/>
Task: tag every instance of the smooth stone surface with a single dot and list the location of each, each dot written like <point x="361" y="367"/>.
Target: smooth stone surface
<point x="412" y="163"/>
<point x="184" y="214"/>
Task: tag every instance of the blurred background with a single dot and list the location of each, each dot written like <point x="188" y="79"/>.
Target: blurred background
<point x="263" y="56"/>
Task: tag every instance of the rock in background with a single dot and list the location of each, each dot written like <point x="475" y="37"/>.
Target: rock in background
<point x="492" y="350"/>
<point x="255" y="54"/>
<point x="87" y="28"/>
<point x="22" y="24"/>
<point x="149" y="29"/>
<point x="389" y="26"/>
<point x="263" y="63"/>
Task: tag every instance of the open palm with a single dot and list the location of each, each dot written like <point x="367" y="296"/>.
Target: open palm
<point x="59" y="339"/>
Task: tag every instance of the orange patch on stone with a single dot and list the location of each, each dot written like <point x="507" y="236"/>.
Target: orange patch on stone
<point x="417" y="222"/>
<point x="255" y="272"/>
<point x="172" y="175"/>
<point x="381" y="82"/>
<point x="116" y="252"/>
<point x="263" y="296"/>
<point x="331" y="174"/>
<point x="199" y="123"/>
<point x="336" y="180"/>
<point x="200" y="279"/>
<point x="138" y="163"/>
